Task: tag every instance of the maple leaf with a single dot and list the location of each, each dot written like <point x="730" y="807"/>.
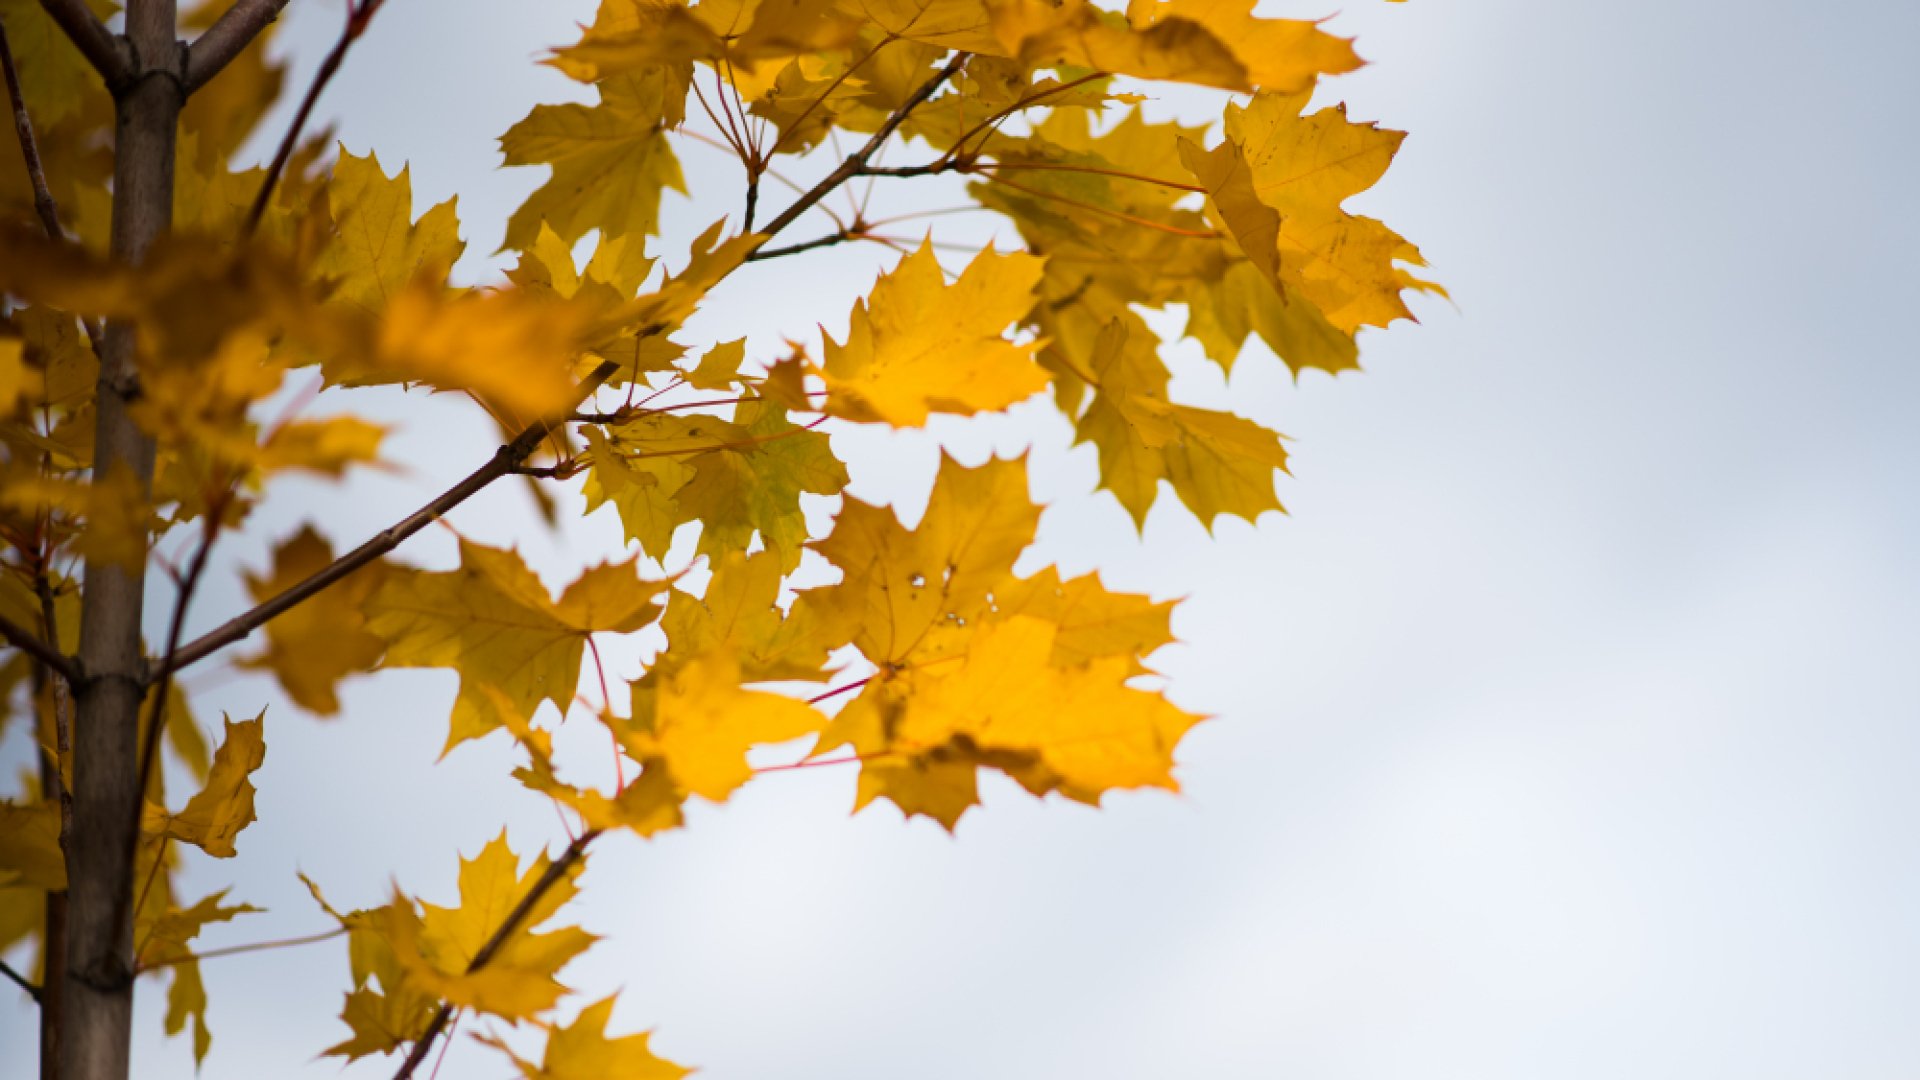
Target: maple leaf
<point x="1277" y="182"/>
<point x="224" y="806"/>
<point x="166" y="940"/>
<point x="907" y="596"/>
<point x="377" y="249"/>
<point x="1216" y="462"/>
<point x="693" y="718"/>
<point x="751" y="41"/>
<point x="311" y="647"/>
<point x="436" y="946"/>
<point x="610" y="161"/>
<point x="494" y="622"/>
<point x="738" y="613"/>
<point x="581" y="1050"/>
<point x="383" y="1011"/>
<point x="918" y="346"/>
<point x="754" y="487"/>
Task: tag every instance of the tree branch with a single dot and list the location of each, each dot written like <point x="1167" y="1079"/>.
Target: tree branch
<point x="109" y="53"/>
<point x="227" y="38"/>
<point x="29" y="148"/>
<point x="555" y="871"/>
<point x="858" y="159"/>
<point x="794" y="249"/>
<point x="163" y="679"/>
<point x="29" y="642"/>
<point x="21" y="980"/>
<point x="501" y="464"/>
<point x="358" y="16"/>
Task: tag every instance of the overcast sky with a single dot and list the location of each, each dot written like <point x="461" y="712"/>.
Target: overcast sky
<point x="1566" y="728"/>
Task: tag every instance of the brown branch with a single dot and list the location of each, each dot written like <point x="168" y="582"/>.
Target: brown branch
<point x="555" y="871"/>
<point x="227" y="38"/>
<point x="20" y="980"/>
<point x="794" y="249"/>
<point x="109" y="53"/>
<point x="29" y="148"/>
<point x="358" y="16"/>
<point x="257" y="946"/>
<point x="162" y="679"/>
<point x="62" y="721"/>
<point x="501" y="464"/>
<point x="29" y="642"/>
<point x="858" y="159"/>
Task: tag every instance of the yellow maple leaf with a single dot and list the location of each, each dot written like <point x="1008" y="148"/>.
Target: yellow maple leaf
<point x="437" y="946"/>
<point x="906" y="595"/>
<point x="610" y="161"/>
<point x="311" y="647"/>
<point x="693" y="717"/>
<point x="581" y="1050"/>
<point x="918" y="345"/>
<point x="224" y="806"/>
<point x="494" y="622"/>
<point x="1277" y="182"/>
<point x="377" y="249"/>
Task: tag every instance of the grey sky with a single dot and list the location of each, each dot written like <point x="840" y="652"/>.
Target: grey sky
<point x="1565" y="729"/>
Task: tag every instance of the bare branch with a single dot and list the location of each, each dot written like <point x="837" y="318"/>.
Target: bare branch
<point x="29" y="642"/>
<point x="109" y="54"/>
<point x="29" y="148"/>
<point x="358" y="16"/>
<point x="858" y="159"/>
<point x="227" y="38"/>
<point x="157" y="715"/>
<point x="794" y="249"/>
<point x="501" y="464"/>
<point x="256" y="946"/>
<point x="556" y="870"/>
<point x="19" y="980"/>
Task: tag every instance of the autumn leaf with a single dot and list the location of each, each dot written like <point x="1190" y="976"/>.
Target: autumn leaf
<point x="437" y="946"/>
<point x="610" y="161"/>
<point x="693" y="717"/>
<point x="167" y="942"/>
<point x="311" y="647"/>
<point x="908" y="595"/>
<point x="494" y="623"/>
<point x="377" y="249"/>
<point x="224" y="806"/>
<point x="581" y="1050"/>
<point x="918" y="345"/>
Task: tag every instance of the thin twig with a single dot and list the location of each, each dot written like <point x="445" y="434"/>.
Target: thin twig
<point x="358" y="16"/>
<point x="109" y="54"/>
<point x="62" y="721"/>
<point x="43" y="203"/>
<point x="829" y="240"/>
<point x="162" y="681"/>
<point x="29" y="642"/>
<point x="858" y="159"/>
<point x="556" y="870"/>
<point x="257" y="946"/>
<point x="501" y="464"/>
<point x="227" y="38"/>
<point x="29" y="148"/>
<point x="20" y="980"/>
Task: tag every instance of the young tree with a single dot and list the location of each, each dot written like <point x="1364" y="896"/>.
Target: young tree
<point x="158" y="299"/>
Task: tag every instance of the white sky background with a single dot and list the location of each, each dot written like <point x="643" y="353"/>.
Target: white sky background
<point x="1565" y="729"/>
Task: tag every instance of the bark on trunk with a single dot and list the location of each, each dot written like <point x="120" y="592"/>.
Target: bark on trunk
<point x="97" y="1006"/>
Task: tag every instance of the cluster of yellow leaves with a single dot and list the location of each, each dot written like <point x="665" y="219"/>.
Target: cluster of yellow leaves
<point x="959" y="663"/>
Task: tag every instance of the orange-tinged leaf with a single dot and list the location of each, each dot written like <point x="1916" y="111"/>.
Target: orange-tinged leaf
<point x="493" y="622"/>
<point x="918" y="345"/>
<point x="696" y="720"/>
<point x="738" y="613"/>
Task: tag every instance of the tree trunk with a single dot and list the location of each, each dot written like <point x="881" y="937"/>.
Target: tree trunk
<point x="97" y="1010"/>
